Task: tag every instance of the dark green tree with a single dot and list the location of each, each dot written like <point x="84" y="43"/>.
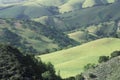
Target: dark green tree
<point x="89" y="66"/>
<point x="103" y="59"/>
<point x="79" y="77"/>
<point x="115" y="54"/>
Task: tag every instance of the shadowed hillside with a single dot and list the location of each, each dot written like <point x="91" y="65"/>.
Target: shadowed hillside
<point x="32" y="37"/>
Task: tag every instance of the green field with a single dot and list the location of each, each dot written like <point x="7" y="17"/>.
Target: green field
<point x="71" y="61"/>
<point x="78" y="36"/>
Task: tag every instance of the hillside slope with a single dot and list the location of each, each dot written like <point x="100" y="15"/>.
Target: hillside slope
<point x="25" y="11"/>
<point x="10" y="1"/>
<point x="73" y="5"/>
<point x="44" y="7"/>
<point x="32" y="37"/>
<point x="106" y="71"/>
<point x="71" y="61"/>
<point x="81" y="19"/>
<point x="95" y="15"/>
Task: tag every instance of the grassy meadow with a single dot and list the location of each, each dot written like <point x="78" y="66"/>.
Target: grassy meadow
<point x="72" y="61"/>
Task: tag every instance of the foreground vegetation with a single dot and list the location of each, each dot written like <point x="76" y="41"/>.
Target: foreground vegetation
<point x="16" y="66"/>
<point x="72" y="61"/>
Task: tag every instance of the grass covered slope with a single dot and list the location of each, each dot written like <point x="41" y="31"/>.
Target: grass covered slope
<point x="26" y="10"/>
<point x="79" y="36"/>
<point x="89" y="16"/>
<point x="51" y="2"/>
<point x="38" y="8"/>
<point x="32" y="37"/>
<point x="71" y="61"/>
<point x="71" y="5"/>
<point x="93" y="32"/>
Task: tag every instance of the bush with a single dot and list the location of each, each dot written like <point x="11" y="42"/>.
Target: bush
<point x="91" y="75"/>
<point x="103" y="59"/>
<point x="47" y="75"/>
<point x="115" y="54"/>
<point x="89" y="66"/>
<point x="70" y="78"/>
<point x="79" y="77"/>
<point x="16" y="66"/>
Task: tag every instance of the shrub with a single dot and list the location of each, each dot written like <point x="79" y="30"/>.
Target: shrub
<point x="91" y="75"/>
<point x="115" y="54"/>
<point x="89" y="66"/>
<point x="70" y="78"/>
<point x="47" y="75"/>
<point x="103" y="59"/>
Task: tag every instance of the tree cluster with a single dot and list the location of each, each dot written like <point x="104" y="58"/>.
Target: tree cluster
<point x="16" y="66"/>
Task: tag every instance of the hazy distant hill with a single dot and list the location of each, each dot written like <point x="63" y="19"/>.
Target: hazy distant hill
<point x="72" y="5"/>
<point x="10" y="1"/>
<point x="38" y="8"/>
<point x="85" y="17"/>
<point x="24" y="11"/>
<point x="90" y="21"/>
<point x="89" y="16"/>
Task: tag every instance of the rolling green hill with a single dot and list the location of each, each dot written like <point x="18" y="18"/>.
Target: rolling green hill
<point x="83" y="18"/>
<point x="72" y="5"/>
<point x="91" y="3"/>
<point x="71" y="61"/>
<point x="39" y="8"/>
<point x="27" y="11"/>
<point x="10" y="1"/>
<point x="105" y="29"/>
<point x="51" y="21"/>
<point x="32" y="37"/>
<point x="51" y="2"/>
<point x="89" y="16"/>
<point x="78" y="36"/>
<point x="82" y="36"/>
